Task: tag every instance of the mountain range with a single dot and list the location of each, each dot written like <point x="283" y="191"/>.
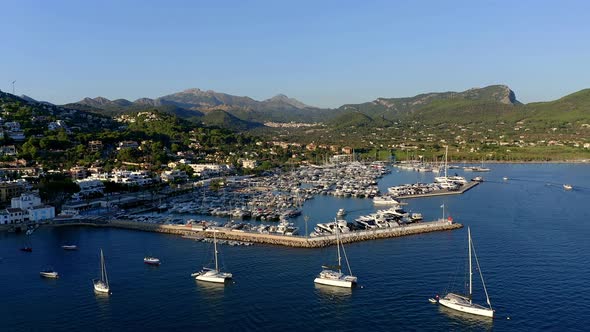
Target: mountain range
<point x="196" y="103"/>
<point x="478" y="104"/>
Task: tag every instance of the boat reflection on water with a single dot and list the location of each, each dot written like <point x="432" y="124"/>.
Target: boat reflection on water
<point x="468" y="321"/>
<point x="332" y="293"/>
<point x="103" y="306"/>
<point x="212" y="290"/>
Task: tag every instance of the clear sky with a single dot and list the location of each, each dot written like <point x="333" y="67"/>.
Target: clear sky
<point x="324" y="53"/>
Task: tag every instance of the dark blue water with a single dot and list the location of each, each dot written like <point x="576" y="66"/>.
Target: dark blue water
<point x="531" y="236"/>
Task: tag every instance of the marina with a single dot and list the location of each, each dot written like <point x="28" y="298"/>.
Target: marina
<point x="518" y="245"/>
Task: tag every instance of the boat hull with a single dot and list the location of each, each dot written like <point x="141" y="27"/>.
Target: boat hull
<point x="219" y="280"/>
<point x="467" y="308"/>
<point x="334" y="282"/>
<point x="50" y="275"/>
<point x="99" y="287"/>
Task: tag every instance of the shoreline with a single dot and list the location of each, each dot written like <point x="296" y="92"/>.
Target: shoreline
<point x="478" y="162"/>
<point x="275" y="239"/>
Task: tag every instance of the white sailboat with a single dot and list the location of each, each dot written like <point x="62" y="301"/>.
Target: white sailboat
<point x="102" y="285"/>
<point x="446" y="181"/>
<point x="332" y="275"/>
<point x="212" y="275"/>
<point x="464" y="303"/>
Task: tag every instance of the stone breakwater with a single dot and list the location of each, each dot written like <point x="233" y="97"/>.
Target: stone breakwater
<point x="283" y="240"/>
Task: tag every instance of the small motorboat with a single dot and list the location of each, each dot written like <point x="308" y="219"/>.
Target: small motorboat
<point x="49" y="274"/>
<point x="151" y="260"/>
<point x="26" y="249"/>
<point x="505" y="178"/>
<point x="477" y="179"/>
<point x="416" y="216"/>
<point x="69" y="247"/>
<point x="568" y="187"/>
<point x="432" y="300"/>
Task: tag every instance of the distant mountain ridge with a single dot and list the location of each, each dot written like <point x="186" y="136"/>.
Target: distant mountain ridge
<point x="476" y="104"/>
<point x="197" y="102"/>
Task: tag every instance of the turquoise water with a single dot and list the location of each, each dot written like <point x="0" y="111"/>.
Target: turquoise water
<point x="531" y="238"/>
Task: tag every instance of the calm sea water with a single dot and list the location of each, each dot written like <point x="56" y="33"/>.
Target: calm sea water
<point x="531" y="237"/>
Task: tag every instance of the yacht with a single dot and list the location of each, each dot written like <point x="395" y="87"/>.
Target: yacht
<point x="464" y="303"/>
<point x="102" y="285"/>
<point x="213" y="275"/>
<point x="151" y="260"/>
<point x="385" y="200"/>
<point x="332" y="275"/>
<point x="49" y="273"/>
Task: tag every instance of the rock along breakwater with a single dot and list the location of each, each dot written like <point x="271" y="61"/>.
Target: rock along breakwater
<point x="281" y="240"/>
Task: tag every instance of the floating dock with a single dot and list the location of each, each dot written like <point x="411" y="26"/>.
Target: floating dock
<point x="282" y="240"/>
<point x="443" y="192"/>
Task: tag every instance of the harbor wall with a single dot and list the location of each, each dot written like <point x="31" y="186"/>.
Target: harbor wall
<point x="281" y="240"/>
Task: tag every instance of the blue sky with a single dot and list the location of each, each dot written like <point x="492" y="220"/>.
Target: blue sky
<point x="324" y="53"/>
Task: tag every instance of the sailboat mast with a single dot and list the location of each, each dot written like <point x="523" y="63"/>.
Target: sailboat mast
<point x="470" y="269"/>
<point x="101" y="266"/>
<point x="337" y="229"/>
<point x="215" y="248"/>
<point x="446" y="156"/>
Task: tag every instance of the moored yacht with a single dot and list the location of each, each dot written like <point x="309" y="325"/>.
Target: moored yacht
<point x="102" y="285"/>
<point x="150" y="260"/>
<point x="49" y="273"/>
<point x="332" y="275"/>
<point x="212" y="275"/>
<point x="464" y="303"/>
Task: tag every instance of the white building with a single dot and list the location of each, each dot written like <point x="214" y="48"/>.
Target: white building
<point x="249" y="163"/>
<point x="25" y="201"/>
<point x="12" y="216"/>
<point x="43" y="212"/>
<point x="90" y="186"/>
<point x="209" y="169"/>
<point x="174" y="175"/>
<point x="28" y="206"/>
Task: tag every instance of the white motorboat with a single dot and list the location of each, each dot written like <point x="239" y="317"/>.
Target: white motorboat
<point x="212" y="275"/>
<point x="341" y="213"/>
<point x="49" y="273"/>
<point x="385" y="200"/>
<point x="332" y="275"/>
<point x="568" y="187"/>
<point x="69" y="247"/>
<point x="150" y="260"/>
<point x="477" y="179"/>
<point x="464" y="303"/>
<point x="102" y="285"/>
<point x="416" y="216"/>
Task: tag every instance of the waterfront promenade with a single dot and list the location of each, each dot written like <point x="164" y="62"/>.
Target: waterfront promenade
<point x="276" y="239"/>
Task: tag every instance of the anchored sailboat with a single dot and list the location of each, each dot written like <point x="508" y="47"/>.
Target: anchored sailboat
<point x="212" y="275"/>
<point x="102" y="285"/>
<point x="332" y="275"/>
<point x="464" y="303"/>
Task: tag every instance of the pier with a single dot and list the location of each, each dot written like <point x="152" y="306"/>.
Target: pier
<point x="281" y="240"/>
<point x="443" y="192"/>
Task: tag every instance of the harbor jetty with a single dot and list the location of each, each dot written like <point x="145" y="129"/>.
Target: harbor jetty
<point x="439" y="192"/>
<point x="275" y="239"/>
